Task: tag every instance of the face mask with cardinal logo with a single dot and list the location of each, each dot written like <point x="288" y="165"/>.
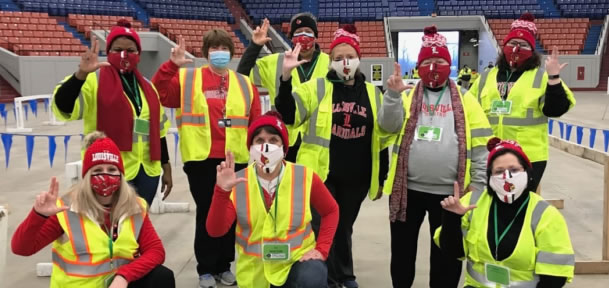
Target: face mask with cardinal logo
<point x="266" y="156"/>
<point x="123" y="61"/>
<point x="516" y="55"/>
<point x="346" y="68"/>
<point x="434" y="75"/>
<point x="509" y="186"/>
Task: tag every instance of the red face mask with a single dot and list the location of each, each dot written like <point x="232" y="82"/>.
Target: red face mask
<point x="105" y="184"/>
<point x="515" y="55"/>
<point x="307" y="42"/>
<point x="124" y="62"/>
<point x="434" y="75"/>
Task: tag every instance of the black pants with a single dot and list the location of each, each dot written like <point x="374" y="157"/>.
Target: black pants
<point x="145" y="185"/>
<point x="214" y="255"/>
<point x="444" y="271"/>
<point x="538" y="168"/>
<point x="349" y="194"/>
<point x="307" y="274"/>
<point x="160" y="276"/>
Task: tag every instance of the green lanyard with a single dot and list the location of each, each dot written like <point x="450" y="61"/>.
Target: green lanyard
<point x="307" y="75"/>
<point x="276" y="196"/>
<point x="110" y="243"/>
<point x="499" y="238"/>
<point x="135" y="91"/>
<point x="507" y="82"/>
<point x="432" y="112"/>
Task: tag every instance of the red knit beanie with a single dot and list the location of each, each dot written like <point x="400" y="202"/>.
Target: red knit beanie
<point x="523" y="28"/>
<point x="273" y="119"/>
<point x="495" y="145"/>
<point x="347" y="35"/>
<point x="102" y="151"/>
<point x="434" y="45"/>
<point x="123" y="28"/>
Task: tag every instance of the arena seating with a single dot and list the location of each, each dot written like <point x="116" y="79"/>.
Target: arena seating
<point x="65" y="7"/>
<point x="595" y="9"/>
<point x="36" y="34"/>
<point x="86" y="23"/>
<point x="348" y="11"/>
<point x="489" y="8"/>
<point x="372" y="36"/>
<point x="190" y="9"/>
<point x="194" y="37"/>
<point x="274" y="10"/>
<point x="568" y="34"/>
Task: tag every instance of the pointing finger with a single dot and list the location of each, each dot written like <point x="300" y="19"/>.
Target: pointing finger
<point x="457" y="190"/>
<point x="397" y="70"/>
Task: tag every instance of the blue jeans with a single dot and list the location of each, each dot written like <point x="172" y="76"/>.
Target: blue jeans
<point x="145" y="185"/>
<point x="307" y="274"/>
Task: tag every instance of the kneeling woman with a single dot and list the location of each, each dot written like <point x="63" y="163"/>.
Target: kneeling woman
<point x="101" y="233"/>
<point x="508" y="234"/>
<point x="271" y="201"/>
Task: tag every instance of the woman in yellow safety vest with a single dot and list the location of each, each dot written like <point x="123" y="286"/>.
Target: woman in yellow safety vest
<point x="271" y="200"/>
<point x="509" y="236"/>
<point x="340" y="112"/>
<point x="114" y="97"/>
<point x="519" y="94"/>
<point x="100" y="230"/>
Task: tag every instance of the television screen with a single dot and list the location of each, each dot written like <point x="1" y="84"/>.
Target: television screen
<point x="409" y="45"/>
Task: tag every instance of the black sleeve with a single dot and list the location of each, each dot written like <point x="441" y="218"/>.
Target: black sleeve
<point x="384" y="168"/>
<point x="164" y="151"/>
<point x="451" y="238"/>
<point x="67" y="94"/>
<point x="248" y="59"/>
<point x="284" y="102"/>
<point x="556" y="101"/>
<point x="547" y="281"/>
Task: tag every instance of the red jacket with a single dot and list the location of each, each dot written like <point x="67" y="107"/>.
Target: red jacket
<point x="167" y="82"/>
<point x="222" y="213"/>
<point x="37" y="231"/>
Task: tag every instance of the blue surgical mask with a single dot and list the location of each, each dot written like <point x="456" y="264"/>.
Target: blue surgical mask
<point x="219" y="59"/>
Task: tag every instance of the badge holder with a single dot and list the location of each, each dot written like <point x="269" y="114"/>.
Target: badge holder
<point x="501" y="107"/>
<point x="276" y="251"/>
<point x="141" y="126"/>
<point x="428" y="133"/>
<point x="497" y="274"/>
<point x="224" y="122"/>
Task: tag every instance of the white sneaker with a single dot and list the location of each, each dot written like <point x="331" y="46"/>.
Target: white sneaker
<point x="207" y="281"/>
<point x="227" y="278"/>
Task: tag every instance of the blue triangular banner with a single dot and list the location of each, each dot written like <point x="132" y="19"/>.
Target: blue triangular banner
<point x="52" y="148"/>
<point x="7" y="142"/>
<point x="561" y="127"/>
<point x="606" y="134"/>
<point x="25" y="109"/>
<point x="579" y="132"/>
<point x="176" y="137"/>
<point x="550" y="126"/>
<point x="34" y="107"/>
<point x="3" y="115"/>
<point x="569" y="129"/>
<point x="66" y="139"/>
<point x="29" y="149"/>
<point x="592" y="137"/>
<point x="46" y="105"/>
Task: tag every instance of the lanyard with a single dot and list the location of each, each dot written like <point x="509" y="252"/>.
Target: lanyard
<point x="499" y="238"/>
<point x="276" y="195"/>
<point x="110" y="242"/>
<point x="507" y="82"/>
<point x="432" y="112"/>
<point x="135" y="91"/>
<point x="307" y="75"/>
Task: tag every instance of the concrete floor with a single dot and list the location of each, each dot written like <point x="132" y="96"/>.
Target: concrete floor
<point x="577" y="181"/>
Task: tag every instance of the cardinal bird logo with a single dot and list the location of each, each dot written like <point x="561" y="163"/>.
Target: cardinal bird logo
<point x="346" y="70"/>
<point x="298" y="21"/>
<point x="263" y="159"/>
<point x="508" y="187"/>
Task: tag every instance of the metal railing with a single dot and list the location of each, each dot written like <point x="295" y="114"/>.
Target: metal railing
<point x="601" y="46"/>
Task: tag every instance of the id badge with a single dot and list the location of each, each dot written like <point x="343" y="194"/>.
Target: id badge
<point x="276" y="251"/>
<point x="141" y="126"/>
<point x="108" y="280"/>
<point x="428" y="133"/>
<point x="497" y="274"/>
<point x="501" y="107"/>
<point x="224" y="123"/>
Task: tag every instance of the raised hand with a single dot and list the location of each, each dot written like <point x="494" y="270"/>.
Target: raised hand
<point x="89" y="61"/>
<point x="46" y="201"/>
<point x="260" y="36"/>
<point x="290" y="61"/>
<point x="553" y="67"/>
<point x="313" y="254"/>
<point x="452" y="203"/>
<point x="395" y="82"/>
<point x="226" y="177"/>
<point x="178" y="53"/>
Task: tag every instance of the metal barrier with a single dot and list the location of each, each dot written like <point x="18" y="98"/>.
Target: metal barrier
<point x="20" y="114"/>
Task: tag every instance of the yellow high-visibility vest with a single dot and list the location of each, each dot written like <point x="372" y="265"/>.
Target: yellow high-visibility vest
<point x="81" y="256"/>
<point x="193" y="116"/>
<point x="287" y="221"/>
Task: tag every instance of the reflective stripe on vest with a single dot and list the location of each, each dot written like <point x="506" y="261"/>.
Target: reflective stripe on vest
<point x="482" y="279"/>
<point x="278" y="74"/>
<point x="257" y="79"/>
<point x="481" y="132"/>
<point x="88" y="270"/>
<point x="295" y="237"/>
<point x="536" y="81"/>
<point x="311" y="137"/>
<point x="529" y="120"/>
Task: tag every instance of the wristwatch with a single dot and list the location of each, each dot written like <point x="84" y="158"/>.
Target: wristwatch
<point x="554" y="76"/>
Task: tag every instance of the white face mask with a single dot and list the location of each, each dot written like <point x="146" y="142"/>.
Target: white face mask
<point x="266" y="156"/>
<point x="345" y="68"/>
<point x="509" y="186"/>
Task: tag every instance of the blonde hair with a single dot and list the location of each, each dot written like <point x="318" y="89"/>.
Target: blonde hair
<point x="82" y="198"/>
